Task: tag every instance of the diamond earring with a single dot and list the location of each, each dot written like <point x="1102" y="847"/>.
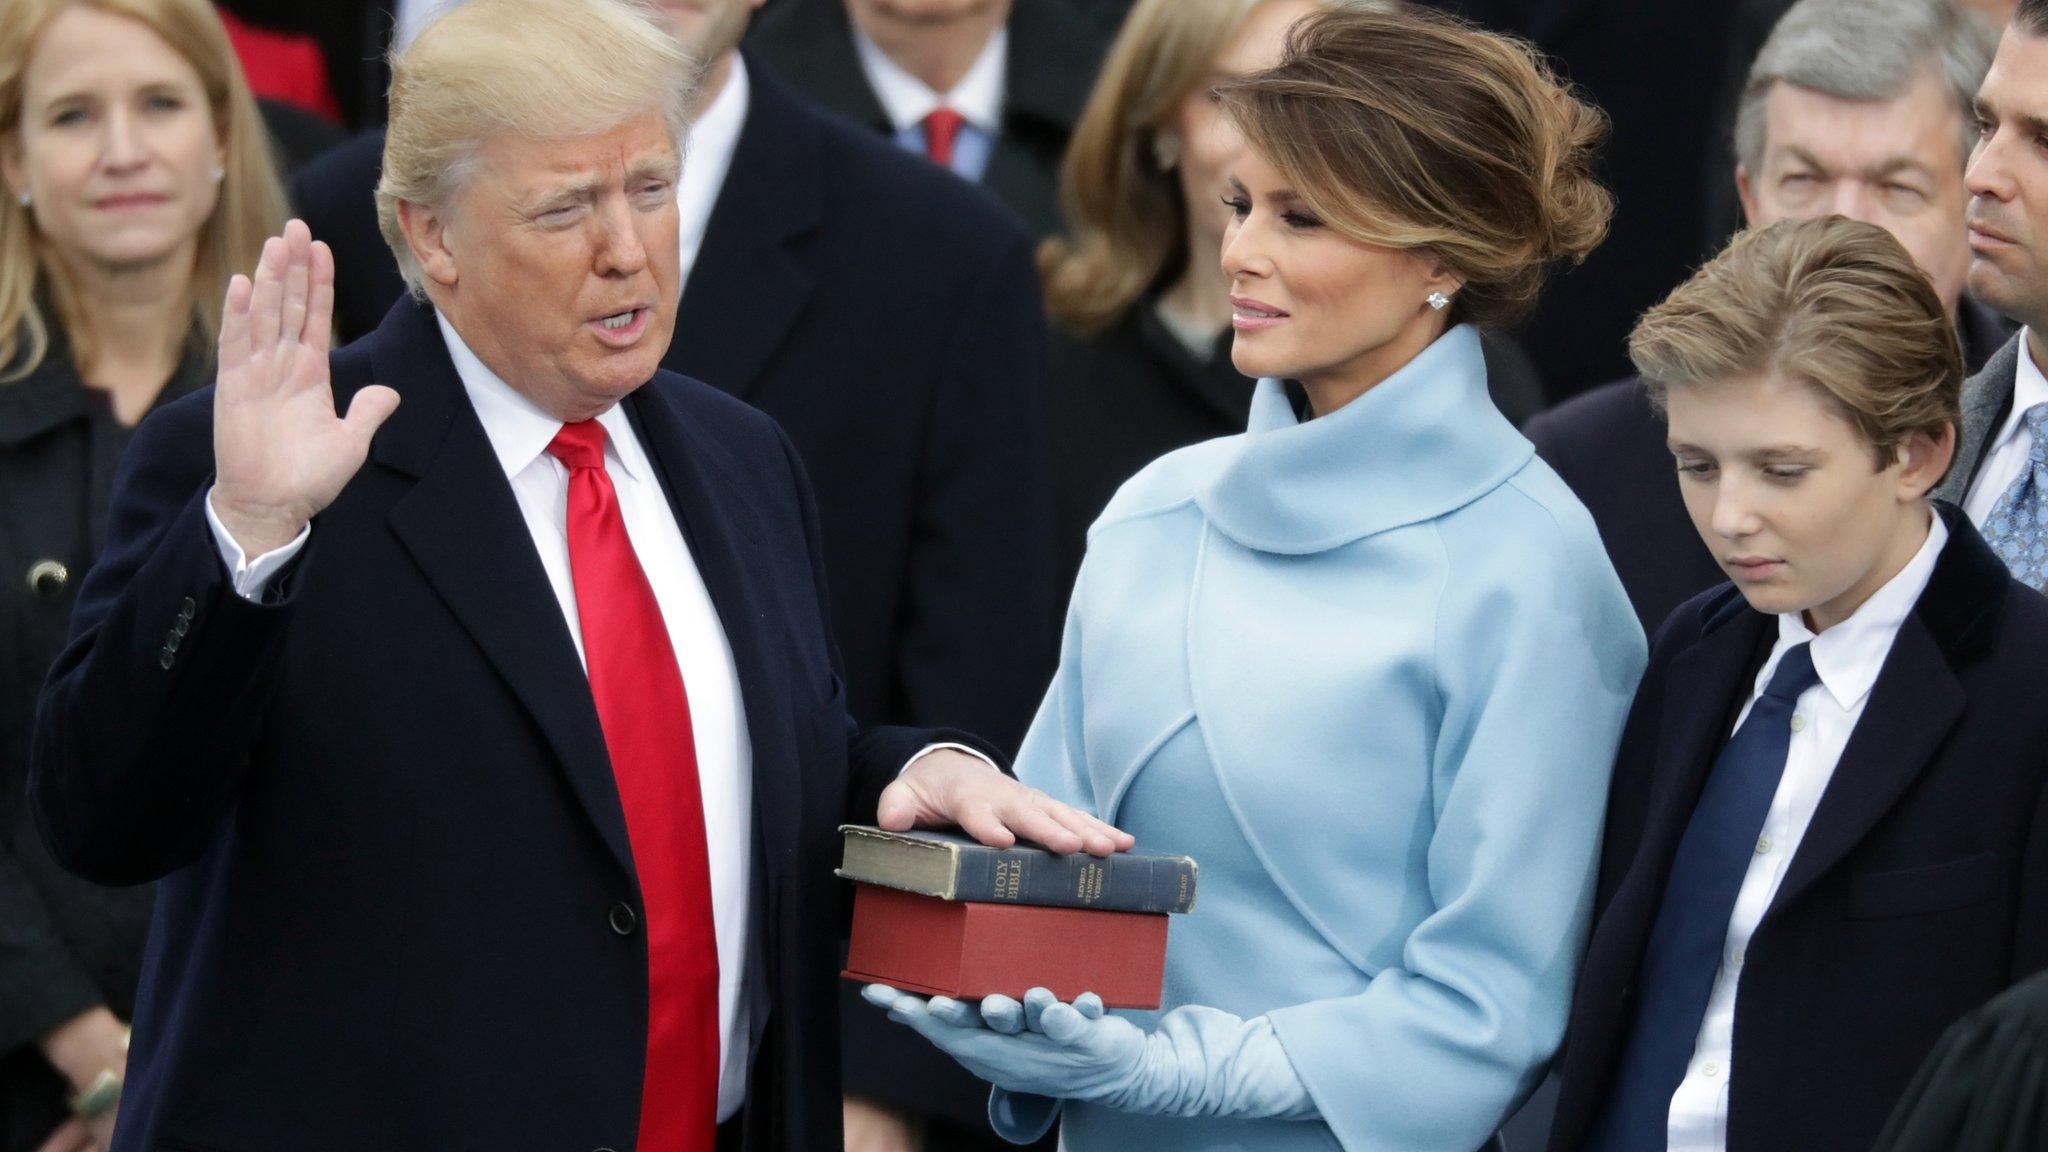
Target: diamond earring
<point x="1439" y="301"/>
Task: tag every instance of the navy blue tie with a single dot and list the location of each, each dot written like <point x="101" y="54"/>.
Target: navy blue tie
<point x="1684" y="954"/>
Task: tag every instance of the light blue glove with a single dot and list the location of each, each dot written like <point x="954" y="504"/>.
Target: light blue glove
<point x="1198" y="1062"/>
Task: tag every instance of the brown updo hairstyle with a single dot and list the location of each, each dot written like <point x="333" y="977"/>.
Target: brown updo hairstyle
<point x="1419" y="131"/>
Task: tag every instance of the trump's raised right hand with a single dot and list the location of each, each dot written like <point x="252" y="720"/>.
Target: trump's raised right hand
<point x="281" y="453"/>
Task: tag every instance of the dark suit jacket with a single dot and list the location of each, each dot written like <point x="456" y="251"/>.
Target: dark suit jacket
<point x="381" y="806"/>
<point x="1054" y="52"/>
<point x="1919" y="891"/>
<point x="1983" y="1087"/>
<point x="1608" y="445"/>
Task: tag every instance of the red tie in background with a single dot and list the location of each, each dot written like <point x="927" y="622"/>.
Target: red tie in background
<point x="645" y="713"/>
<point x="941" y="128"/>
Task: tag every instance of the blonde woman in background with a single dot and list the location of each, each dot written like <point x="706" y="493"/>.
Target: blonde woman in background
<point x="1140" y="356"/>
<point x="137" y="180"/>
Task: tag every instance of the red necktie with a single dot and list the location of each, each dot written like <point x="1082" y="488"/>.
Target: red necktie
<point x="645" y="714"/>
<point x="941" y="128"/>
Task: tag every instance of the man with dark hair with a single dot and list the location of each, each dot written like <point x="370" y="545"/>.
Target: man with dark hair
<point x="1998" y="476"/>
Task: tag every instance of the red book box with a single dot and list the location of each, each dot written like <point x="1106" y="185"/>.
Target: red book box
<point x="970" y="950"/>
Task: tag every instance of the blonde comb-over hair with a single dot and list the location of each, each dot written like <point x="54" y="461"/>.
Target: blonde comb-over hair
<point x="544" y="69"/>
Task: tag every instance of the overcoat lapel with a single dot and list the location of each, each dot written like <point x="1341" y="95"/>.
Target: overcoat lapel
<point x="463" y="527"/>
<point x="1917" y="700"/>
<point x="1912" y="707"/>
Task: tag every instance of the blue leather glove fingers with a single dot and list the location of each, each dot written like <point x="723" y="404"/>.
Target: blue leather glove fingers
<point x="1037" y="1000"/>
<point x="958" y="1013"/>
<point x="1003" y="1014"/>
<point x="1090" y="1064"/>
<point x="1199" y="1062"/>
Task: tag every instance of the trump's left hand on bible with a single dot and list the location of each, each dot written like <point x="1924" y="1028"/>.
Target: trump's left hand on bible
<point x="946" y="786"/>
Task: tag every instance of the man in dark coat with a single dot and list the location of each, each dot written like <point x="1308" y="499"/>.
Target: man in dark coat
<point x="886" y="315"/>
<point x="424" y="884"/>
<point x="989" y="89"/>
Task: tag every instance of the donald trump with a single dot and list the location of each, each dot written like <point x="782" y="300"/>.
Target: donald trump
<point x="471" y="688"/>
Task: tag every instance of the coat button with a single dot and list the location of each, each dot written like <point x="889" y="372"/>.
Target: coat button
<point x="48" y="577"/>
<point x="183" y="626"/>
<point x="189" y="608"/>
<point x="165" y="659"/>
<point x="623" y="918"/>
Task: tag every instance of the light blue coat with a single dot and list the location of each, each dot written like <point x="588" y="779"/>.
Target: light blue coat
<point x="1370" y="670"/>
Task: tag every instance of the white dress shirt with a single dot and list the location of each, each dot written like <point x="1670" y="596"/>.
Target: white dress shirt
<point x="978" y="97"/>
<point x="707" y="157"/>
<point x="519" y="432"/>
<point x="1848" y="657"/>
<point x="2005" y="461"/>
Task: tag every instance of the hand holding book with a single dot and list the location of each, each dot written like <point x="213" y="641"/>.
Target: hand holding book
<point x="1197" y="1062"/>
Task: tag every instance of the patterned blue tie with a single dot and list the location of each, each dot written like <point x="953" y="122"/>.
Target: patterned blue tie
<point x="2018" y="525"/>
<point x="1684" y="955"/>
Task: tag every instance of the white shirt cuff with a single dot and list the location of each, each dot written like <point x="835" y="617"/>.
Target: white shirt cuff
<point x="931" y="748"/>
<point x="252" y="578"/>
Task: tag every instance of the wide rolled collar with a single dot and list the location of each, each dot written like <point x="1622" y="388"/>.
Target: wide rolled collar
<point x="1425" y="441"/>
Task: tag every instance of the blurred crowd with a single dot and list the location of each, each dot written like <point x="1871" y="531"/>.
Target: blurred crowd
<point x="965" y="253"/>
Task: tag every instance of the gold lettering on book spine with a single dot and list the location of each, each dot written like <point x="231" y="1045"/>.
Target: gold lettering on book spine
<point x="1089" y="888"/>
<point x="1009" y="879"/>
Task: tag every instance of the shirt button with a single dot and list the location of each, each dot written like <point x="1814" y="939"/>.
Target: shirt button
<point x="1763" y="845"/>
<point x="1710" y="1071"/>
<point x="1736" y="957"/>
<point x="623" y="918"/>
<point x="1798" y="722"/>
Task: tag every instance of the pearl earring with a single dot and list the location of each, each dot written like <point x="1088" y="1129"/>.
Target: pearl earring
<point x="219" y="173"/>
<point x="1439" y="301"/>
<point x="1166" y="151"/>
<point x="26" y="199"/>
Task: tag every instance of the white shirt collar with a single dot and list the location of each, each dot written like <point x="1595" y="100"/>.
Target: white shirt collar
<point x="707" y="157"/>
<point x="519" y="431"/>
<point x="1849" y="655"/>
<point x="908" y="100"/>
<point x="2029" y="387"/>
